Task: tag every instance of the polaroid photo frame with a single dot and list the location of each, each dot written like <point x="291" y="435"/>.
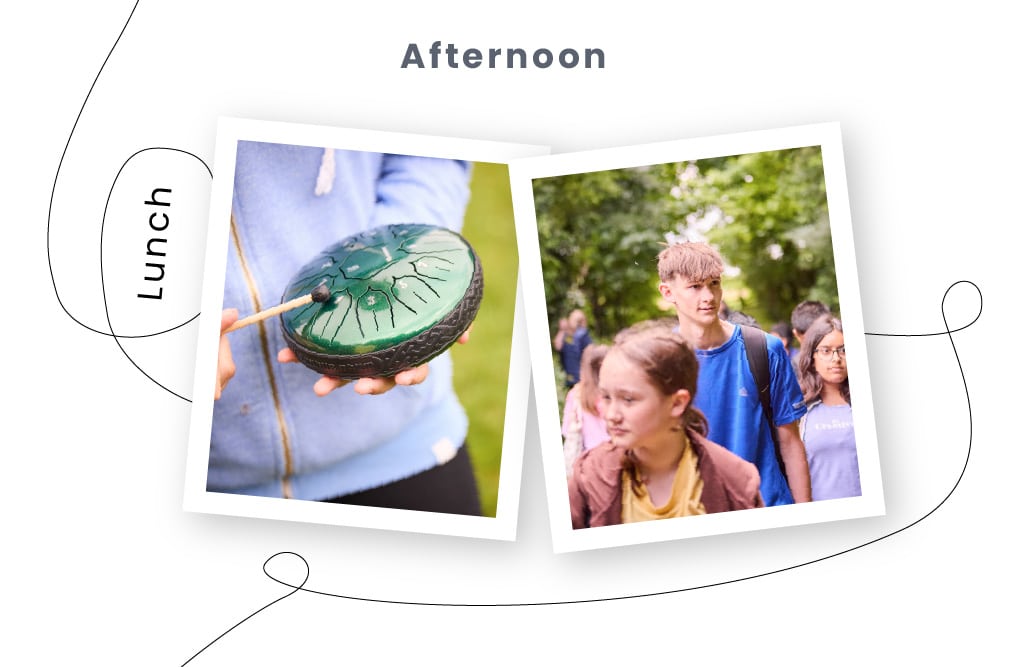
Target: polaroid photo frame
<point x="525" y="176"/>
<point x="514" y="384"/>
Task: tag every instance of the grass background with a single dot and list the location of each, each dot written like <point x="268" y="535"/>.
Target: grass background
<point x="481" y="367"/>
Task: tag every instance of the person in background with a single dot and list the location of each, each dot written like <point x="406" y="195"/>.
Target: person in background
<point x="570" y="341"/>
<point x="827" y="427"/>
<point x="657" y="463"/>
<point x="564" y="331"/>
<point x="582" y="426"/>
<point x="784" y="333"/>
<point x="804" y="314"/>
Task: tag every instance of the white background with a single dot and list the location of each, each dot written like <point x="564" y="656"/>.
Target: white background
<point x="102" y="566"/>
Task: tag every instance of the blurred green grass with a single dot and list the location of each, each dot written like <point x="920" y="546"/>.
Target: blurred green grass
<point x="481" y="367"/>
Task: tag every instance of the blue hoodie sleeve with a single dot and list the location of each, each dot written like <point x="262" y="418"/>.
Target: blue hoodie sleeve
<point x="425" y="190"/>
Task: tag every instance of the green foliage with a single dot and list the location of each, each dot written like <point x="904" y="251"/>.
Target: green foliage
<point x="767" y="214"/>
<point x="599" y="234"/>
<point x="481" y="367"/>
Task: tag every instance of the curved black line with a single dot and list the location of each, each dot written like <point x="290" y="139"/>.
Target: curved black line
<point x="59" y="167"/>
<point x="957" y="483"/>
<point x="948" y="331"/>
<point x="101" y="269"/>
<point x="49" y="221"/>
<point x="286" y="595"/>
<point x="101" y="242"/>
<point x="145" y="373"/>
<point x="401" y="301"/>
<point x="418" y="271"/>
<point x="317" y="316"/>
<point x="330" y="313"/>
<point x="421" y="279"/>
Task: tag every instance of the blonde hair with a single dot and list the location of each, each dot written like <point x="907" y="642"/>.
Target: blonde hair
<point x="690" y="260"/>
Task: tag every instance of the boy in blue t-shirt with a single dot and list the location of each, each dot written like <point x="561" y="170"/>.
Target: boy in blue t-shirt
<point x="691" y="279"/>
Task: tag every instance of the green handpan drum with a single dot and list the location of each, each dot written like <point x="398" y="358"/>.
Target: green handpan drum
<point x="399" y="296"/>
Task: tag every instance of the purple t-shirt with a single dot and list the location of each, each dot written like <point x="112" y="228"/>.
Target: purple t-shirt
<point x="831" y="452"/>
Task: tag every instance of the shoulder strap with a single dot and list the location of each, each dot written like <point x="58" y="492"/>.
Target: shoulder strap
<point x="757" y="356"/>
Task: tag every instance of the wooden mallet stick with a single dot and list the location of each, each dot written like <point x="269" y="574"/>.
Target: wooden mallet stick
<point x="320" y="294"/>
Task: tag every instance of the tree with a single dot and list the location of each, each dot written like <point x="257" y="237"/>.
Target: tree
<point x="767" y="214"/>
<point x="600" y="233"/>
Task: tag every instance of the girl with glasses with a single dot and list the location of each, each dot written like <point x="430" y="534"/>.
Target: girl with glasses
<point x="826" y="429"/>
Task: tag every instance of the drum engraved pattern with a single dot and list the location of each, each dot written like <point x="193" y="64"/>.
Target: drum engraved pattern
<point x="400" y="295"/>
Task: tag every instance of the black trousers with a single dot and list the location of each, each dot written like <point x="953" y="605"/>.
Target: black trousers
<point x="450" y="488"/>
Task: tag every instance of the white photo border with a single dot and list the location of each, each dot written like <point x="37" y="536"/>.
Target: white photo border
<point x="828" y="137"/>
<point x="195" y="496"/>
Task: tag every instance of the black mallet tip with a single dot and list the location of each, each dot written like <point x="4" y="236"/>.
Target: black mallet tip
<point x="321" y="294"/>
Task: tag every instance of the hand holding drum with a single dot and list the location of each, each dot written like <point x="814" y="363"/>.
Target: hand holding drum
<point x="379" y="303"/>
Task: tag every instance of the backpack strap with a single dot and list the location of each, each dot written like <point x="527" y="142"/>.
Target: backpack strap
<point x="757" y="356"/>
